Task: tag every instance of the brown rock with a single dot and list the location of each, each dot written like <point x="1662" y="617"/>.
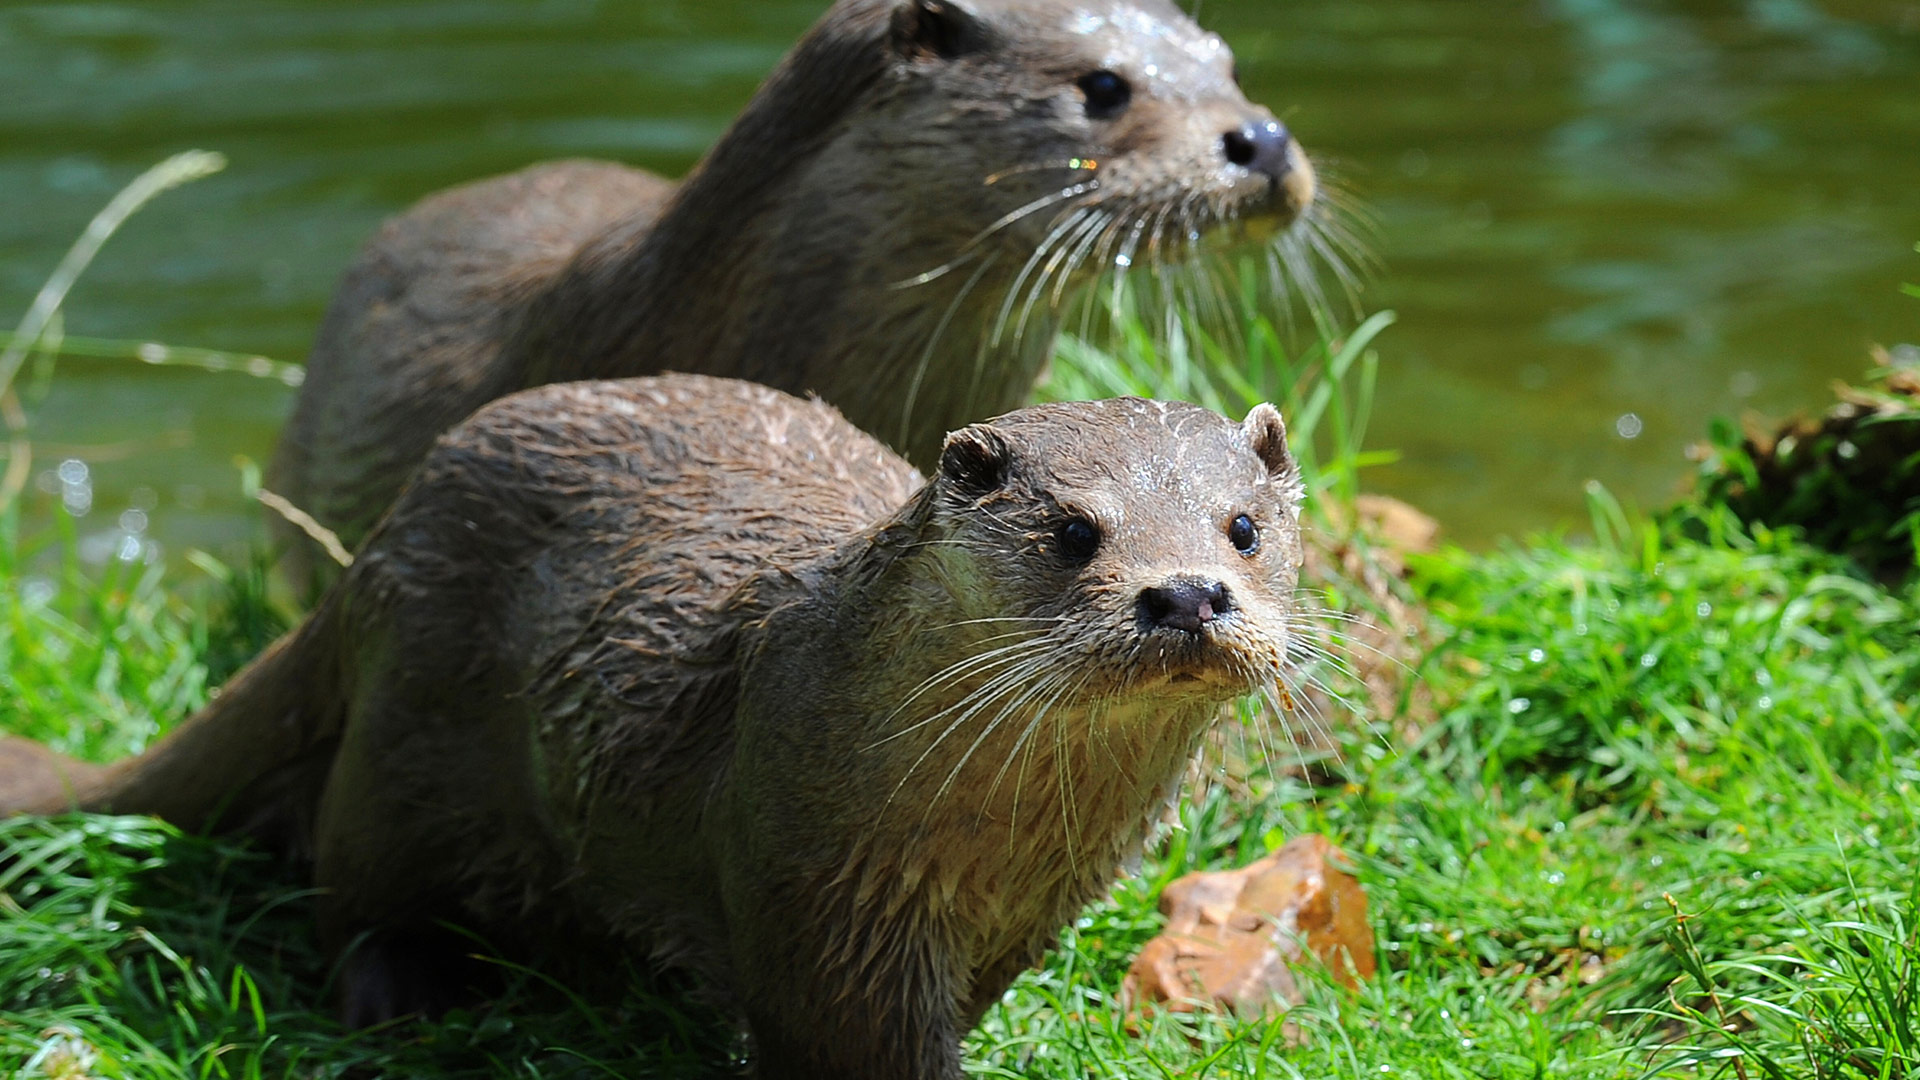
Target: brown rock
<point x="1402" y="527"/>
<point x="1234" y="937"/>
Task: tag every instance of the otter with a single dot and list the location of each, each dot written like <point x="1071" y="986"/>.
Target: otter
<point x="894" y="223"/>
<point x="707" y="671"/>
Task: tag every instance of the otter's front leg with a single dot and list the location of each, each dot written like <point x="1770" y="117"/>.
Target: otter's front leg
<point x="878" y="999"/>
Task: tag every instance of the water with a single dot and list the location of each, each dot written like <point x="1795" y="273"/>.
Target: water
<point x="1603" y="221"/>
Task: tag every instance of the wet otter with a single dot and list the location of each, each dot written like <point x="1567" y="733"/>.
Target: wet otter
<point x="692" y="663"/>
<point x="892" y="223"/>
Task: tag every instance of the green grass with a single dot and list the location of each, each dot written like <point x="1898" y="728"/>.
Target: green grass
<point x="1654" y="815"/>
<point x="1761" y="770"/>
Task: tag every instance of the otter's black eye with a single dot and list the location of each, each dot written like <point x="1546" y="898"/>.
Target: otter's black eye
<point x="1079" y="539"/>
<point x="1107" y="94"/>
<point x="1244" y="537"/>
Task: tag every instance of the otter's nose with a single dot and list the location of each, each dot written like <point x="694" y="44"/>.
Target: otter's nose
<point x="1184" y="604"/>
<point x="1259" y="147"/>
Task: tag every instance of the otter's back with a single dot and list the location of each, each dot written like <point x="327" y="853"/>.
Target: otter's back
<point x="408" y="345"/>
<point x="600" y="527"/>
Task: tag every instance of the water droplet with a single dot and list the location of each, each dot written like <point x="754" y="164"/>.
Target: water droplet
<point x="37" y="592"/>
<point x="1123" y="261"/>
<point x="1657" y="860"/>
<point x="1702" y="609"/>
<point x="1847" y="450"/>
<point x="1556" y="878"/>
<point x="134" y="521"/>
<point x="1538" y="656"/>
<point x="1559" y="826"/>
<point x="77" y="498"/>
<point x="1519" y="705"/>
<point x="1647" y="660"/>
<point x="1629" y="425"/>
<point x="73" y="471"/>
<point x="1765" y="702"/>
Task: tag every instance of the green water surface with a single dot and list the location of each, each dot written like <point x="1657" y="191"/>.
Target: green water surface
<point x="1601" y="221"/>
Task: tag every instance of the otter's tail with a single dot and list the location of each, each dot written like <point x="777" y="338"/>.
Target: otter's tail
<point x="253" y="760"/>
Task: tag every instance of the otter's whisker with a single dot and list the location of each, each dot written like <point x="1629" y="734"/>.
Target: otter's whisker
<point x="1061" y="265"/>
<point x="1004" y="656"/>
<point x="1102" y="261"/>
<point x="1078" y="164"/>
<point x="1124" y="260"/>
<point x="1012" y="705"/>
<point x="1065" y="686"/>
<point x="1005" y="683"/>
<point x="1345" y="237"/>
<point x="1079" y="255"/>
<point x="1069" y="221"/>
<point x="926" y="355"/>
<point x="1307" y="284"/>
<point x="1345" y="643"/>
<point x="1026" y="757"/>
<point x="1003" y="619"/>
<point x="1277" y="284"/>
<point x="1302" y="708"/>
<point x="1011" y="217"/>
<point x="1069" y="816"/>
<point x="1318" y="242"/>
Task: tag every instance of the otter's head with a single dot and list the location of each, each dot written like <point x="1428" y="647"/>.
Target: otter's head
<point x="1141" y="548"/>
<point x="1089" y="126"/>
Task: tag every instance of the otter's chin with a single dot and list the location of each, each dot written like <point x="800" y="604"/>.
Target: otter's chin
<point x="1208" y="681"/>
<point x="1262" y="226"/>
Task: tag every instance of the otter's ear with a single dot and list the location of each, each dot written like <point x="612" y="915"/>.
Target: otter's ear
<point x="942" y="29"/>
<point x="1267" y="434"/>
<point x="974" y="460"/>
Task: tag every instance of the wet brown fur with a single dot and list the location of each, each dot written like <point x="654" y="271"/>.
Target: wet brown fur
<point x="900" y="138"/>
<point x="697" y="666"/>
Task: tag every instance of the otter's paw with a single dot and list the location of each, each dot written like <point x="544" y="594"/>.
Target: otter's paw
<point x="416" y="972"/>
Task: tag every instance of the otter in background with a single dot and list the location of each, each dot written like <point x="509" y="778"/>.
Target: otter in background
<point x="894" y="223"/>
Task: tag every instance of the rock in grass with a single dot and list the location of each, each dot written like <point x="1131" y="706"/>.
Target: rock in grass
<point x="1236" y="938"/>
